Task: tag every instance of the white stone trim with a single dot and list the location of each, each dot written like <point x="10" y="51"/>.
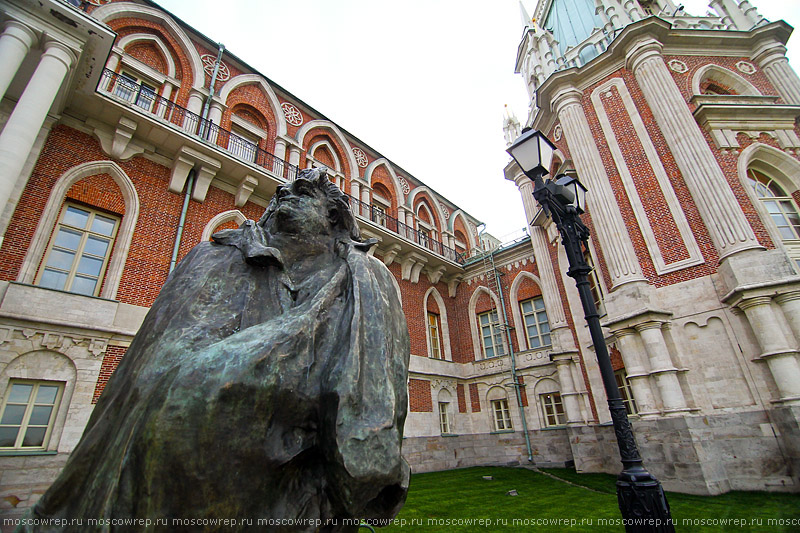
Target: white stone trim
<point x="728" y="77"/>
<point x="398" y="190"/>
<point x="252" y="129"/>
<point x="477" y="345"/>
<point x="117" y="10"/>
<point x="674" y="206"/>
<point x="516" y="312"/>
<point x="272" y="98"/>
<point x="324" y="142"/>
<point x="451" y="226"/>
<point x="444" y="332"/>
<point x="221" y="218"/>
<point x="50" y="213"/>
<point x="332" y="128"/>
<point x="135" y="38"/>
<point x="431" y="196"/>
<point x="783" y="168"/>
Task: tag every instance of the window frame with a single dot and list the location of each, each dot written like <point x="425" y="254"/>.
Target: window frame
<point x="552" y="407"/>
<point x="145" y="93"/>
<point x="501" y="415"/>
<point x="435" y="350"/>
<point x="31" y="403"/>
<point x="625" y="391"/>
<point x="78" y="253"/>
<point x="791" y="245"/>
<point x="495" y="333"/>
<point x="536" y="323"/>
<point x="445" y="424"/>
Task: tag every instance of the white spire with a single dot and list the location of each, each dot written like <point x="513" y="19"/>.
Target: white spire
<point x="511" y="128"/>
<point x="526" y="19"/>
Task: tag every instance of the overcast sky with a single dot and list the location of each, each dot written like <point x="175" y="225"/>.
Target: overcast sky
<point x="423" y="82"/>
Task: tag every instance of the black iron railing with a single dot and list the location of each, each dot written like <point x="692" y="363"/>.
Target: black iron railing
<point x="181" y="118"/>
<point x="379" y="216"/>
<point x="148" y="101"/>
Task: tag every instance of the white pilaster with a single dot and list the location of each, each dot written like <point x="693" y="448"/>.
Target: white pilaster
<point x="569" y="396"/>
<point x="771" y="57"/>
<point x="29" y="114"/>
<point x="630" y="348"/>
<point x="789" y="303"/>
<point x="15" y="43"/>
<point x="661" y="367"/>
<point x="723" y="217"/>
<point x="781" y="358"/>
<point x="620" y="256"/>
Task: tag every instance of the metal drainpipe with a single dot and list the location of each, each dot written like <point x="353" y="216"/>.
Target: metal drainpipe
<point x="511" y="352"/>
<point x="207" y="105"/>
<point x="190" y="178"/>
<point x="182" y="221"/>
<point x="514" y="370"/>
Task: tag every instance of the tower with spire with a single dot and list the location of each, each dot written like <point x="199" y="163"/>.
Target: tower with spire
<point x="684" y="129"/>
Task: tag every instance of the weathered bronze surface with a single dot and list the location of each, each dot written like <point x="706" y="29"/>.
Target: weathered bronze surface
<point x="268" y="381"/>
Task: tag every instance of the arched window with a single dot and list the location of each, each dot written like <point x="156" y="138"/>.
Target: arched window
<point x="781" y="208"/>
<point x="537" y="328"/>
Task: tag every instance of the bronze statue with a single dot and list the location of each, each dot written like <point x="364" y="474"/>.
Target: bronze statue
<point x="267" y="382"/>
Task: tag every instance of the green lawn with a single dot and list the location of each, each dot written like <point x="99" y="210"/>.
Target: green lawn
<point x="447" y="501"/>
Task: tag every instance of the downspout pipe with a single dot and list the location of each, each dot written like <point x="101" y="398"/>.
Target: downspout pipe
<point x="210" y="97"/>
<point x="182" y="220"/>
<point x="514" y="378"/>
<point x="204" y="131"/>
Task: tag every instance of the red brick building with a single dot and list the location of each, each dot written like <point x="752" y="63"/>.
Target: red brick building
<point x="128" y="137"/>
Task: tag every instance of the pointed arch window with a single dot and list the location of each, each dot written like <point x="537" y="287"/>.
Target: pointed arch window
<point x="781" y="208"/>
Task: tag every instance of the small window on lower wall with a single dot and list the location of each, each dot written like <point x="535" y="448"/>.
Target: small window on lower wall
<point x="625" y="391"/>
<point x="28" y="413"/>
<point x="444" y="418"/>
<point x="79" y="251"/>
<point x="502" y="416"/>
<point x="552" y="409"/>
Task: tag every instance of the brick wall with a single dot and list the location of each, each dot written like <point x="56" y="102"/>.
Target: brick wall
<point x="111" y="360"/>
<point x="419" y="396"/>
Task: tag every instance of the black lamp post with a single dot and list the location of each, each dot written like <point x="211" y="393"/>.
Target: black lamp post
<point x="641" y="499"/>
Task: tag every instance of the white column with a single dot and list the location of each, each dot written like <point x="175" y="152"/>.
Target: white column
<point x="215" y="112"/>
<point x="789" y="303"/>
<point x="294" y="156"/>
<point x="365" y="199"/>
<point x="29" y="114"/>
<point x="569" y="396"/>
<point x="631" y="350"/>
<point x="623" y="265"/>
<point x="15" y="43"/>
<point x="771" y="57"/>
<point x="730" y="14"/>
<point x="355" y="192"/>
<point x="661" y="367"/>
<point x="775" y="349"/>
<point x="113" y="61"/>
<point x="721" y="213"/>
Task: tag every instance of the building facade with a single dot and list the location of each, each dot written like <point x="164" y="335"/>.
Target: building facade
<point x="128" y="137"/>
<point x="684" y="129"/>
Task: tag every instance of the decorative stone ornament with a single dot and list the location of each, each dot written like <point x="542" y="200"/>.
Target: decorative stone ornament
<point x="209" y="60"/>
<point x="677" y="66"/>
<point x="745" y="67"/>
<point x="404" y="184"/>
<point x="557" y="132"/>
<point x="445" y="211"/>
<point x="361" y="157"/>
<point x="292" y="114"/>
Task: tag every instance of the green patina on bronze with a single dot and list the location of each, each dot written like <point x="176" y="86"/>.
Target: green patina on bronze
<point x="268" y="380"/>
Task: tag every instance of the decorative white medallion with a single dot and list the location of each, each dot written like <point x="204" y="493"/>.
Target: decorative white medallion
<point x="223" y="74"/>
<point x="744" y="66"/>
<point x="292" y="114"/>
<point x="557" y="133"/>
<point x="445" y="211"/>
<point x="474" y="229"/>
<point x="677" y="66"/>
<point x="404" y="184"/>
<point x="361" y="157"/>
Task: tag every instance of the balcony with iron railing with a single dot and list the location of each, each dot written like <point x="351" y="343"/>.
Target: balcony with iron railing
<point x="144" y="100"/>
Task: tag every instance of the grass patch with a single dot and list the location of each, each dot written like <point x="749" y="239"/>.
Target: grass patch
<point x="452" y="498"/>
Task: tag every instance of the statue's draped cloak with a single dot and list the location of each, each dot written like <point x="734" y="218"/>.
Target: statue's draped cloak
<point x="244" y="397"/>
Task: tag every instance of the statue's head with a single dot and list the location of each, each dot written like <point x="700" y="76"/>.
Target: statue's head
<point x="311" y="205"/>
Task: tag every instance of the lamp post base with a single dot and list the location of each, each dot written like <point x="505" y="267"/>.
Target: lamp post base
<point x="642" y="502"/>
